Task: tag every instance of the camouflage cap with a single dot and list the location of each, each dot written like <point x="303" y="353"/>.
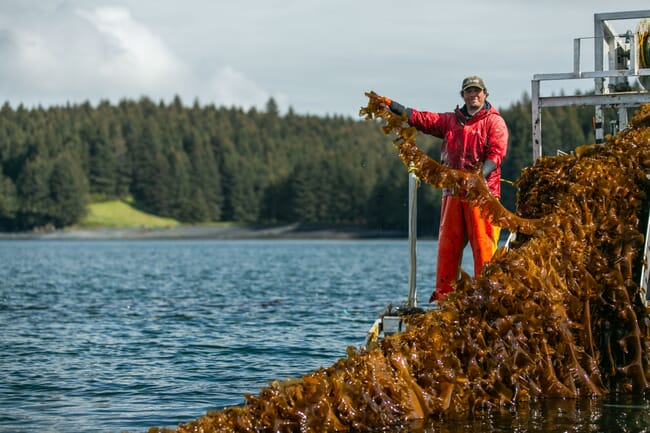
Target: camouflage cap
<point x="473" y="81"/>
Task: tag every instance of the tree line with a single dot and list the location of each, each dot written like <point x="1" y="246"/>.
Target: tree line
<point x="202" y="164"/>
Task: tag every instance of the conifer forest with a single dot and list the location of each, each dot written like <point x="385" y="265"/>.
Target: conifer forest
<point x="201" y="164"/>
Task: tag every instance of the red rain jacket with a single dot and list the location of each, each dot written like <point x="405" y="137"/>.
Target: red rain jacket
<point x="467" y="143"/>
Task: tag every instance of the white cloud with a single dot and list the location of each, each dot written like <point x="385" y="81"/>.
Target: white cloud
<point x="134" y="58"/>
<point x="34" y="54"/>
<point x="82" y="54"/>
<point x="229" y="87"/>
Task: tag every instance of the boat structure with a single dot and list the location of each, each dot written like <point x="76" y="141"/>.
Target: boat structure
<point x="621" y="77"/>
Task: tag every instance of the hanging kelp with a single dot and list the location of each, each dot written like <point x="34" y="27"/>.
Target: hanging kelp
<point x="559" y="314"/>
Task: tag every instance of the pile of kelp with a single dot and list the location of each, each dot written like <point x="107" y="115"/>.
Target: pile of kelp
<point x="559" y="314"/>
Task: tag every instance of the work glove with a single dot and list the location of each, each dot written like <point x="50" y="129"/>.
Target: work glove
<point x="488" y="167"/>
<point x="393" y="106"/>
<point x="384" y="100"/>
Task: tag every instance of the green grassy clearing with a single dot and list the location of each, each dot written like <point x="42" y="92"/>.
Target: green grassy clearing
<point x="121" y="214"/>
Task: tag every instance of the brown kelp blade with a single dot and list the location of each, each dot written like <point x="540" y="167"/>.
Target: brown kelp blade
<point x="556" y="315"/>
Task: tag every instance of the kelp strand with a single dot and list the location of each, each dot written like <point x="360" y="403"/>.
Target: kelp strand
<point x="558" y="314"/>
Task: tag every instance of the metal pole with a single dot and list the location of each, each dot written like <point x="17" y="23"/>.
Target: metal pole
<point x="599" y="83"/>
<point x="576" y="57"/>
<point x="413" y="230"/>
<point x="537" y="120"/>
<point x="622" y="118"/>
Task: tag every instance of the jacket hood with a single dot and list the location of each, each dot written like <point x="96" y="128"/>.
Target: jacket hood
<point x="464" y="117"/>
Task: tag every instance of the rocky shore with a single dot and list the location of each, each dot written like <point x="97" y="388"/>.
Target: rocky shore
<point x="289" y="231"/>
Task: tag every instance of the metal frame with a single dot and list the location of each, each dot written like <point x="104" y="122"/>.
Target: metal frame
<point x="605" y="43"/>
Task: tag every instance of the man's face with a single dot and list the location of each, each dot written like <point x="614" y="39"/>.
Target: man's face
<point x="474" y="97"/>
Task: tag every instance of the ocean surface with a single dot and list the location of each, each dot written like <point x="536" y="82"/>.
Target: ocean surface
<point x="123" y="335"/>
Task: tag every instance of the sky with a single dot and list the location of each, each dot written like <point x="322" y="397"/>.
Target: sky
<point x="316" y="57"/>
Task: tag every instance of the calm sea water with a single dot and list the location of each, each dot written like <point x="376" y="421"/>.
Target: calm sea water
<point x="110" y="336"/>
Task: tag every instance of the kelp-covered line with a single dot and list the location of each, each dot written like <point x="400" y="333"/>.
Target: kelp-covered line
<point x="559" y="314"/>
<point x="472" y="185"/>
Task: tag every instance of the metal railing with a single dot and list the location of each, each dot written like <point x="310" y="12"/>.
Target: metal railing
<point x="622" y="63"/>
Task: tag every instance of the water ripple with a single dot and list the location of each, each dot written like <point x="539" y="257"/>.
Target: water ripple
<point x="107" y="336"/>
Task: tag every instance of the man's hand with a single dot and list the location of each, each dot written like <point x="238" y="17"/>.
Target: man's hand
<point x="488" y="167"/>
<point x="393" y="106"/>
<point x="384" y="100"/>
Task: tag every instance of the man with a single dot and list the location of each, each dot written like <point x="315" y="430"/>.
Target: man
<point x="475" y="137"/>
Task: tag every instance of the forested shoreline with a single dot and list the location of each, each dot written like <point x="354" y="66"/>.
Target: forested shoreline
<point x="202" y="164"/>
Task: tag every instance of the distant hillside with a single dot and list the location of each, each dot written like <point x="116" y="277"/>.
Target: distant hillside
<point x="199" y="165"/>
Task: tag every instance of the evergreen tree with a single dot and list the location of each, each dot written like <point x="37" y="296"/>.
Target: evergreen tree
<point x="34" y="199"/>
<point x="388" y="206"/>
<point x="205" y="178"/>
<point x="102" y="161"/>
<point x="68" y="191"/>
<point x="8" y="203"/>
<point x="272" y="107"/>
<point x="306" y="200"/>
<point x="150" y="170"/>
